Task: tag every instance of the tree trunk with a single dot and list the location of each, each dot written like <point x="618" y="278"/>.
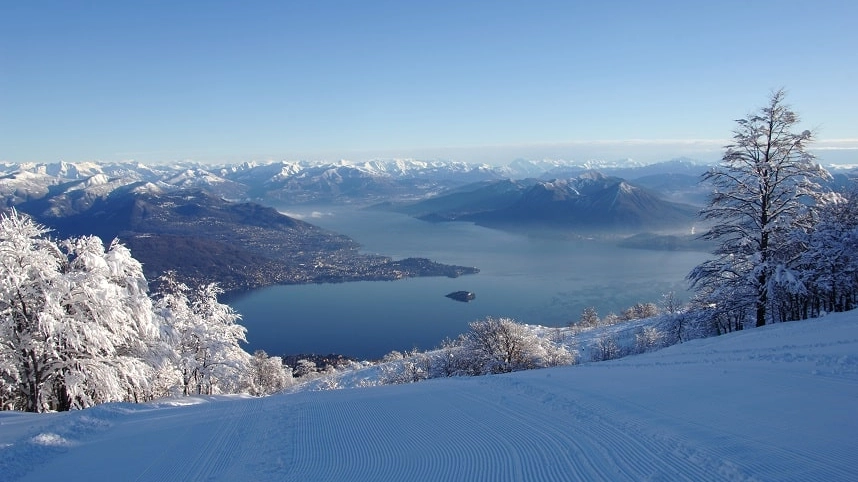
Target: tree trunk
<point x="761" y="311"/>
<point x="64" y="402"/>
<point x="33" y="376"/>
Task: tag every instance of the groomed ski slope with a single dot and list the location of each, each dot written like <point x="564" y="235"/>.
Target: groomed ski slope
<point x="775" y="403"/>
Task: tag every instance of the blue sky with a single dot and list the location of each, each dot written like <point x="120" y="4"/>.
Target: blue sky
<point x="474" y="81"/>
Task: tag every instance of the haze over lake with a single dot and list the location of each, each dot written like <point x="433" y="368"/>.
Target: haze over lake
<point x="536" y="280"/>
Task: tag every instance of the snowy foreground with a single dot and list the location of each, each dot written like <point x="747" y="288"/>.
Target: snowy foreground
<point x="775" y="403"/>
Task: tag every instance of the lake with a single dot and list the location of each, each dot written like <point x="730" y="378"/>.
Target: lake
<point x="534" y="280"/>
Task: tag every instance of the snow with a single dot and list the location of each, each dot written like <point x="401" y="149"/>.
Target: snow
<point x="96" y="180"/>
<point x="773" y="403"/>
<point x="194" y="177"/>
<point x="148" y="188"/>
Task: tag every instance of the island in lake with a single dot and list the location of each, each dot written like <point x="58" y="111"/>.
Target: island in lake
<point x="464" y="296"/>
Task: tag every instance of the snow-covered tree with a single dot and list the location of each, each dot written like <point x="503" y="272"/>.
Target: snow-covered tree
<point x="76" y="324"/>
<point x="499" y="345"/>
<point x="109" y="341"/>
<point x="605" y="348"/>
<point x="205" y="336"/>
<point x="552" y="353"/>
<point x="449" y="360"/>
<point x="307" y="368"/>
<point x="413" y="367"/>
<point x="648" y="339"/>
<point x="610" y="319"/>
<point x="172" y="306"/>
<point x="640" y="311"/>
<point x="221" y="359"/>
<point x="267" y="374"/>
<point x="670" y="304"/>
<point x="394" y="355"/>
<point x="766" y="185"/>
<point x="589" y="318"/>
<point x="29" y="268"/>
<point x="829" y="265"/>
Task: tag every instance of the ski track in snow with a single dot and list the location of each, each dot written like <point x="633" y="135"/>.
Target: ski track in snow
<point x="775" y="403"/>
<point x="218" y="441"/>
<point x="601" y="439"/>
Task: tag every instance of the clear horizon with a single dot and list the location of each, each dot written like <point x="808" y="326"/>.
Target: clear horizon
<point x="475" y="82"/>
<point x="838" y="152"/>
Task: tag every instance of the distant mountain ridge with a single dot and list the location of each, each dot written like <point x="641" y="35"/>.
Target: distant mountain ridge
<point x="197" y="221"/>
<point x="285" y="182"/>
<point x="588" y="203"/>
<point x="104" y="198"/>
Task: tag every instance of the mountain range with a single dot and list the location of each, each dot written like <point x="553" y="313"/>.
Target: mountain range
<point x="590" y="202"/>
<point x="211" y="221"/>
<point x="293" y="183"/>
<point x="179" y="218"/>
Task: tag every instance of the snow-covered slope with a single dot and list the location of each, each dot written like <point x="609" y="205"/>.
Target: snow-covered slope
<point x="775" y="403"/>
